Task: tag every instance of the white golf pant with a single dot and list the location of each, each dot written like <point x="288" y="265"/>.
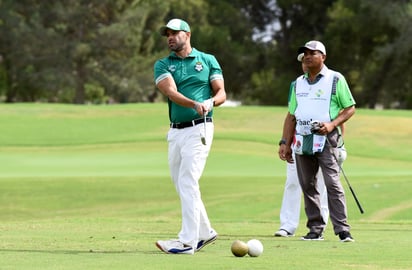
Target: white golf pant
<point x="187" y="159"/>
<point x="292" y="196"/>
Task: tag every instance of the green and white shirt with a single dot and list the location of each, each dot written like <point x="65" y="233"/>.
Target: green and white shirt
<point x="192" y="76"/>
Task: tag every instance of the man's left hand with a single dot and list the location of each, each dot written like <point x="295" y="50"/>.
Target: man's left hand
<point x="209" y="104"/>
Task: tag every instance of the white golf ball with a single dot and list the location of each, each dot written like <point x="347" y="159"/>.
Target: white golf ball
<point x="255" y="248"/>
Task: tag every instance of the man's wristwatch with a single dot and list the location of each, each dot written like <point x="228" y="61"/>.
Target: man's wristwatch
<point x="282" y="141"/>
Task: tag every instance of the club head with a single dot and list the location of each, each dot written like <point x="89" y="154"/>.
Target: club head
<point x="203" y="139"/>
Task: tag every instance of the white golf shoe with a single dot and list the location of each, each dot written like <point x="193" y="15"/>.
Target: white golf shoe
<point x="283" y="233"/>
<point x="202" y="243"/>
<point x="174" y="247"/>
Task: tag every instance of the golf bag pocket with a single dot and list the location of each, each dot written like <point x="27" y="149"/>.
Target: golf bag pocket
<point x="309" y="144"/>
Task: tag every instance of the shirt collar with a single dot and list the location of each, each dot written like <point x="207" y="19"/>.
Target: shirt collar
<point x="192" y="54"/>
<point x="322" y="73"/>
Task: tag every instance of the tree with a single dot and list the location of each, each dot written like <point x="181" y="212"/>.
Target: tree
<point x="82" y="51"/>
<point x="52" y="48"/>
<point x="19" y="34"/>
<point x="376" y="58"/>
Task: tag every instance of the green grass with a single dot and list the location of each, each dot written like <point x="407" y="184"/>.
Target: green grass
<point x="88" y="187"/>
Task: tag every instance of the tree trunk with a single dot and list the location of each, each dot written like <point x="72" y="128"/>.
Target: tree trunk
<point x="10" y="82"/>
<point x="80" y="81"/>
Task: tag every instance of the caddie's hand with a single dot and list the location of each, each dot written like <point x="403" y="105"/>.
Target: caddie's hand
<point x="329" y="127"/>
<point x="281" y="152"/>
<point x="325" y="128"/>
<point x="289" y="157"/>
<point x="285" y="153"/>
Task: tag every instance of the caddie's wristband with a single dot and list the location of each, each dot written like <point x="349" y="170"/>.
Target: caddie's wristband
<point x="282" y="141"/>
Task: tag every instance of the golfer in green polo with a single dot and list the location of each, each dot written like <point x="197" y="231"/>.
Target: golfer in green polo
<point x="193" y="83"/>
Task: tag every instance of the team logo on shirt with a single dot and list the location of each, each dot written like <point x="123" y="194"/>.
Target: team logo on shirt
<point x="319" y="93"/>
<point x="199" y="66"/>
<point x="172" y="68"/>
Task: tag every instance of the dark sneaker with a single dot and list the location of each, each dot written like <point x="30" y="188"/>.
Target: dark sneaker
<point x="345" y="236"/>
<point x="283" y="233"/>
<point x="313" y="236"/>
<point x="202" y="243"/>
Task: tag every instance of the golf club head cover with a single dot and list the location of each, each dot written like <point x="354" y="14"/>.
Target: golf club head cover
<point x="315" y="126"/>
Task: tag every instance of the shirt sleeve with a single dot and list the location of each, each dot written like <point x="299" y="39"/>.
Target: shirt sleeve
<point x="343" y="93"/>
<point x="160" y="71"/>
<point x="215" y="69"/>
<point x="292" y="104"/>
<point x="291" y="87"/>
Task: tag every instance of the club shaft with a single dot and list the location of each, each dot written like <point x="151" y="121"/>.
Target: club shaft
<point x="346" y="179"/>
<point x="204" y="123"/>
<point x="350" y="187"/>
<point x="204" y="128"/>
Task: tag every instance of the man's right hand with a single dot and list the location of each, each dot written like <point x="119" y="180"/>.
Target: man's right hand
<point x="285" y="153"/>
<point x="201" y="108"/>
<point x="209" y="104"/>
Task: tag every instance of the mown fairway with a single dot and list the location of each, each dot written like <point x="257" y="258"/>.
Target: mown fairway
<point x="88" y="187"/>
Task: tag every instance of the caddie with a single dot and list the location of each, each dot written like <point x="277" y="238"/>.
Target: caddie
<point x="321" y="95"/>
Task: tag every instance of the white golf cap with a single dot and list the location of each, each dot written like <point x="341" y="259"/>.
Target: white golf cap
<point x="176" y="25"/>
<point x="313" y="45"/>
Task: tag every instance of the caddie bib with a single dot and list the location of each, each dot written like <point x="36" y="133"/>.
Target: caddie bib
<point x="313" y="103"/>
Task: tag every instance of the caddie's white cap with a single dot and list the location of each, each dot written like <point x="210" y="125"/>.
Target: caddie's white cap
<point x="313" y="45"/>
<point x="176" y="25"/>
<point x="300" y="57"/>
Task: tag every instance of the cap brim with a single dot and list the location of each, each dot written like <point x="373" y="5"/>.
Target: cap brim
<point x="163" y="30"/>
<point x="302" y="49"/>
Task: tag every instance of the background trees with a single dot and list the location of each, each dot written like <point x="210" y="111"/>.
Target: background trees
<point x="103" y="51"/>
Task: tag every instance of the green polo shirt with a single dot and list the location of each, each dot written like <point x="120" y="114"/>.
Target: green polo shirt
<point x="192" y="76"/>
<point x="341" y="96"/>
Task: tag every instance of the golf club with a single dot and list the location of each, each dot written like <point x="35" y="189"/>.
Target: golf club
<point x="344" y="175"/>
<point x="203" y="136"/>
